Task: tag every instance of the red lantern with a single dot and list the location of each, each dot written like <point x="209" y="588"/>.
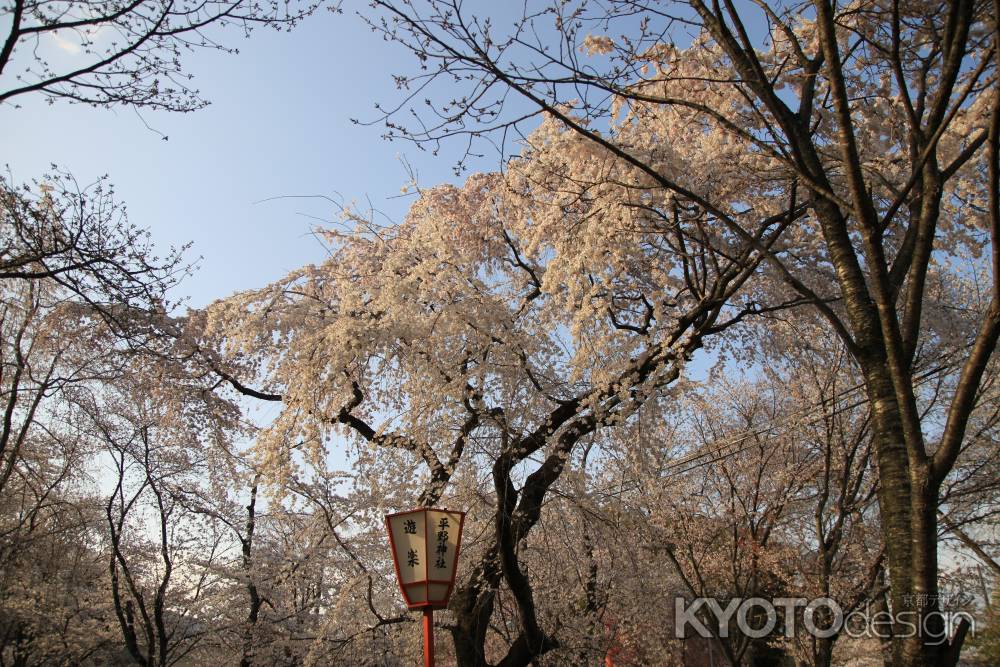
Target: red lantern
<point x="425" y="544"/>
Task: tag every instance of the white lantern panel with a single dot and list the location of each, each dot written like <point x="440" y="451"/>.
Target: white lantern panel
<point x="409" y="538"/>
<point x="442" y="545"/>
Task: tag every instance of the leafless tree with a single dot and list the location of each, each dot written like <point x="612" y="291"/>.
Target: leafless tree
<point x="122" y="52"/>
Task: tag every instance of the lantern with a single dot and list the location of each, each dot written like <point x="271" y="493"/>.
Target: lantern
<point x="425" y="545"/>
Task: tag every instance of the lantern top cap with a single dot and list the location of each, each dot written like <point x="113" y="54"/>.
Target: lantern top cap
<point x="425" y="509"/>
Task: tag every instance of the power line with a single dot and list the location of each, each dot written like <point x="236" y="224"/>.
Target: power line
<point x="719" y="447"/>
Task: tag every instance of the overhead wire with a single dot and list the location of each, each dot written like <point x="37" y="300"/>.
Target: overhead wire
<point x="787" y="421"/>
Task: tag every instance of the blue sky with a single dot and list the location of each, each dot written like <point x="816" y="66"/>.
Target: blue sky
<point x="279" y="125"/>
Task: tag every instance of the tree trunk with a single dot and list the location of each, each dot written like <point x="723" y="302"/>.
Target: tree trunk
<point x="473" y="607"/>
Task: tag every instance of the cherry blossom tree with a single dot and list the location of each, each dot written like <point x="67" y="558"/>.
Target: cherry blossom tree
<point x="71" y="269"/>
<point x="166" y="447"/>
<point x="51" y="613"/>
<point x="879" y="120"/>
<point x="494" y="330"/>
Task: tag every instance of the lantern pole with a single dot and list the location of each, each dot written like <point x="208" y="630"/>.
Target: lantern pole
<point x="428" y="637"/>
